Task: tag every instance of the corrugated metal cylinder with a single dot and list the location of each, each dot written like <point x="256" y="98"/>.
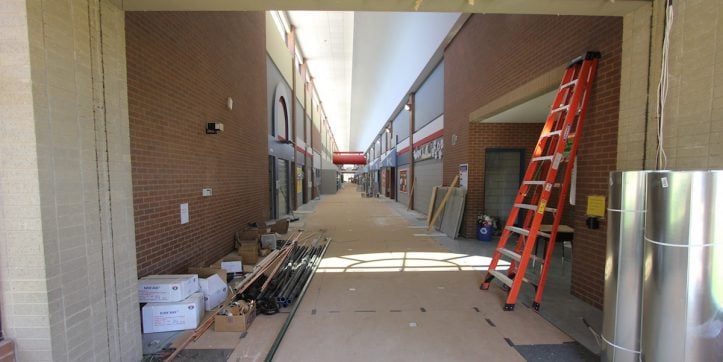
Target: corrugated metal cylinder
<point x="683" y="268"/>
<point x="624" y="266"/>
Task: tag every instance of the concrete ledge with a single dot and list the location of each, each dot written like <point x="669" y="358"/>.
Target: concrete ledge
<point x="532" y="89"/>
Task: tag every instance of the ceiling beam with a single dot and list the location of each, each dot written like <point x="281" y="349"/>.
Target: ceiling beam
<point x="543" y="7"/>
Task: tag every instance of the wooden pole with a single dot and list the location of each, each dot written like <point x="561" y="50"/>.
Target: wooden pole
<point x="411" y="196"/>
<point x="430" y="208"/>
<point x="444" y="201"/>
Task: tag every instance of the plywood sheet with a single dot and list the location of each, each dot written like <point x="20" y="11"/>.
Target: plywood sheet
<point x="453" y="212"/>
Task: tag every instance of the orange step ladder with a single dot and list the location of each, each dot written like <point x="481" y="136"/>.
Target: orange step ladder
<point x="556" y="148"/>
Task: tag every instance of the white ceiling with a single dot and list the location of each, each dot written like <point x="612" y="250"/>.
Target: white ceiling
<point x="532" y="111"/>
<point x="390" y="51"/>
<point x="326" y="41"/>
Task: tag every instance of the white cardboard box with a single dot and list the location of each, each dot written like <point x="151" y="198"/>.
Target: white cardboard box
<point x="175" y="316"/>
<point x="232" y="266"/>
<point x="214" y="291"/>
<point x="167" y="288"/>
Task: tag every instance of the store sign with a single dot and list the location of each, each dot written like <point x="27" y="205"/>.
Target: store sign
<point x="429" y="150"/>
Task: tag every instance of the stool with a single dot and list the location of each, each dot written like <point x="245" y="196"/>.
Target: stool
<point x="564" y="233"/>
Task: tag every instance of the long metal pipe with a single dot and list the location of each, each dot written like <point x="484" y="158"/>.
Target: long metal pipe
<point x="280" y="336"/>
<point x="683" y="269"/>
<point x="624" y="267"/>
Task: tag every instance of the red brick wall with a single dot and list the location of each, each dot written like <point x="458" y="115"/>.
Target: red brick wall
<point x="316" y="139"/>
<point x="181" y="69"/>
<point x="7" y="351"/>
<point x="494" y="54"/>
<point x="491" y="135"/>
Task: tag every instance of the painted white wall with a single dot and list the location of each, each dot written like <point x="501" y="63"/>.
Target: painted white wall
<point x="390" y="51"/>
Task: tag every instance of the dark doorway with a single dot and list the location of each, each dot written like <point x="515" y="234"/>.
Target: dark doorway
<point x="504" y="170"/>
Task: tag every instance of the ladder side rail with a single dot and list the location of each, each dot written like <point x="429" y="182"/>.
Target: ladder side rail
<point x="589" y="74"/>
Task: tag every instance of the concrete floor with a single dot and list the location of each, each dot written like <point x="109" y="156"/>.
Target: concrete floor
<point x="385" y="291"/>
<point x="388" y="291"/>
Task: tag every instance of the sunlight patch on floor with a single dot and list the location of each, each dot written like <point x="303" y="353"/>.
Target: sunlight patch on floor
<point x="406" y="262"/>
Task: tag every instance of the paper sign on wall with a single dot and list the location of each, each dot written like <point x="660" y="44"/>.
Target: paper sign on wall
<point x="184" y="213"/>
<point x="463" y="175"/>
<point x="596" y="205"/>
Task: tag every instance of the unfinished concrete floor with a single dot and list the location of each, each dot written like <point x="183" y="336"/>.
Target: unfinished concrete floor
<point x="389" y="290"/>
<point x="386" y="291"/>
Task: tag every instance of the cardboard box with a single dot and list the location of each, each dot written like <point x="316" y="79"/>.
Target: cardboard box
<point x="167" y="288"/>
<point x="175" y="316"/>
<point x="281" y="226"/>
<point x="250" y="234"/>
<point x="214" y="291"/>
<point x="207" y="272"/>
<point x="249" y="252"/>
<point x="230" y="263"/>
<point x="234" y="323"/>
<point x="268" y="241"/>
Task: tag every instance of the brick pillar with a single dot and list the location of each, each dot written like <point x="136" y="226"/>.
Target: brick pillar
<point x="67" y="245"/>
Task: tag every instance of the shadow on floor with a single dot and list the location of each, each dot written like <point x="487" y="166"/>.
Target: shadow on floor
<point x="558" y="306"/>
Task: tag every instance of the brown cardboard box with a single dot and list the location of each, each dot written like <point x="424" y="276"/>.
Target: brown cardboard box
<point x="249" y="252"/>
<point x="281" y="226"/>
<point x="234" y="323"/>
<point x="207" y="272"/>
<point x="250" y="234"/>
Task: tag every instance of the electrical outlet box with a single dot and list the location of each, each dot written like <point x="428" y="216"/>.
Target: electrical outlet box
<point x="207" y="192"/>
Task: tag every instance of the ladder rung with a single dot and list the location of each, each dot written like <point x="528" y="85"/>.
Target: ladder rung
<point x="517" y="257"/>
<point x="551" y="134"/>
<point x="540" y="183"/>
<point x="534" y="207"/>
<point x="561" y="108"/>
<point x="543" y="158"/>
<point x="506" y="280"/>
<point x="501" y="277"/>
<point x="570" y="83"/>
<point x="525" y="232"/>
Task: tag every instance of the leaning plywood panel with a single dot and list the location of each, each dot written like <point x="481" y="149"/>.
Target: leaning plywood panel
<point x="453" y="211"/>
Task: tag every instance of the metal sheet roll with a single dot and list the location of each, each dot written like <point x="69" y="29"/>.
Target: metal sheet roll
<point x="683" y="276"/>
<point x="624" y="266"/>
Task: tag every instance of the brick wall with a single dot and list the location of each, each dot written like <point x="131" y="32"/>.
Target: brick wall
<point x="492" y="135"/>
<point x="7" y="351"/>
<point x="316" y="139"/>
<point x="486" y="61"/>
<point x="181" y="69"/>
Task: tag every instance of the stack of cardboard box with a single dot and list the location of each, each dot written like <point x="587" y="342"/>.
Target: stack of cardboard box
<point x="173" y="302"/>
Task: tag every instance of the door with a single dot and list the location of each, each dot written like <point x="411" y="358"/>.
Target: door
<point x="282" y="180"/>
<point x="504" y="170"/>
<point x="272" y="187"/>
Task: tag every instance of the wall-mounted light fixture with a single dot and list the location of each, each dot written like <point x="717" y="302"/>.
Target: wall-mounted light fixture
<point x="214" y="128"/>
<point x="408" y="105"/>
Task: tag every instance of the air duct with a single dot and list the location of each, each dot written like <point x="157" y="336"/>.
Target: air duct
<point x="624" y="267"/>
<point x="682" y="314"/>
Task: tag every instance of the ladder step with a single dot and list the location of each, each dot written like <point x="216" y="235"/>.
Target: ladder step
<point x="534" y="207"/>
<point x="506" y="280"/>
<point x="552" y="134"/>
<point x="561" y="108"/>
<point x="571" y="83"/>
<point x="517" y="257"/>
<point x="525" y="232"/>
<point x="539" y="183"/>
<point x="542" y="158"/>
<point x="501" y="277"/>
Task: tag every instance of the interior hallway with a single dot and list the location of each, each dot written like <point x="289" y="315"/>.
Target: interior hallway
<point x="359" y="305"/>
